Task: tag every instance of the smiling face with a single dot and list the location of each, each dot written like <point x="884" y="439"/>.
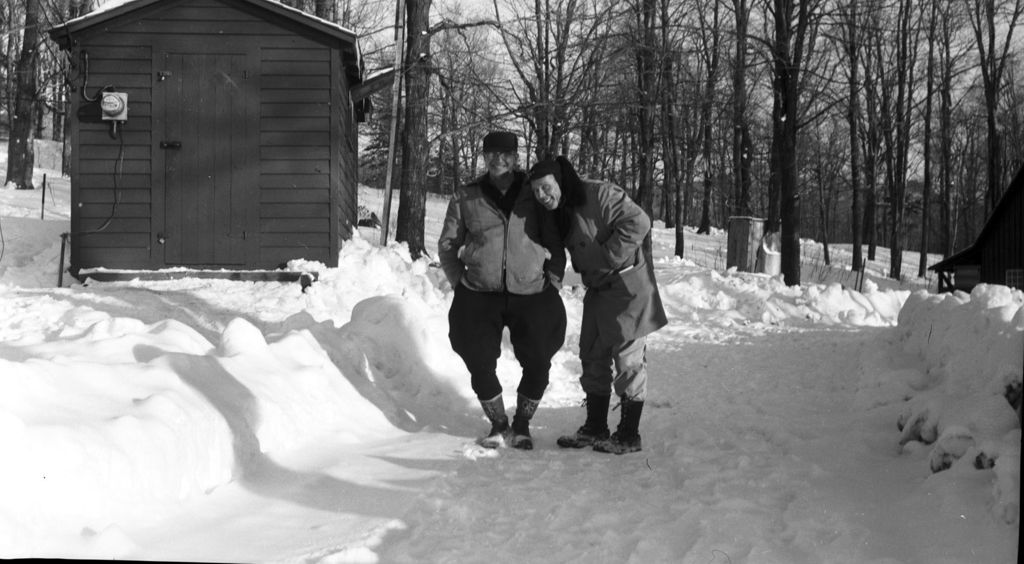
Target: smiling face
<point x="547" y="191"/>
<point x="499" y="163"/>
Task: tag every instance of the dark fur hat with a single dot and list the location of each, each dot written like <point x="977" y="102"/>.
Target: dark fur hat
<point x="501" y="142"/>
<point x="544" y="168"/>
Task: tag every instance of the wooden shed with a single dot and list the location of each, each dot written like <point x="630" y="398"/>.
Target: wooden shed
<point x="210" y="134"/>
<point x="997" y="255"/>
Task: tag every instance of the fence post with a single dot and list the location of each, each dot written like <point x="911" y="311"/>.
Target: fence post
<point x="60" y="271"/>
<point x="42" y="208"/>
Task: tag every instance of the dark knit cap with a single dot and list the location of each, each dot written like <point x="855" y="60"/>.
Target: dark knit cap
<point x="501" y="142"/>
<point x="544" y="168"/>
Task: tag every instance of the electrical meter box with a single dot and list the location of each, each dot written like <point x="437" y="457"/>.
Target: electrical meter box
<point x="114" y="106"/>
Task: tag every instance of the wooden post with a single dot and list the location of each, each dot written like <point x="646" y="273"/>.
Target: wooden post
<point x="396" y="96"/>
<point x="42" y="207"/>
<point x="60" y="270"/>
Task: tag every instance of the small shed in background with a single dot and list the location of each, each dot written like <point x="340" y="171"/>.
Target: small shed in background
<point x="210" y="134"/>
<point x="997" y="255"/>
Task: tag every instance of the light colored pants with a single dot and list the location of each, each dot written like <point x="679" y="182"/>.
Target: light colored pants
<point x="621" y="368"/>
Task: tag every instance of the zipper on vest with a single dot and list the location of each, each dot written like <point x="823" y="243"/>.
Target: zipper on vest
<point x="504" y="253"/>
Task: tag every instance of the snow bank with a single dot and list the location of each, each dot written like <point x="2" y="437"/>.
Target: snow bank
<point x="966" y="402"/>
<point x="395" y="351"/>
<point x="102" y="432"/>
<point x="113" y="423"/>
<point x="365" y="271"/>
<point x="737" y="298"/>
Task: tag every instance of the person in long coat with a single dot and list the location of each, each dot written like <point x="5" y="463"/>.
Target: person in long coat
<point x="604" y="232"/>
<point x="500" y="251"/>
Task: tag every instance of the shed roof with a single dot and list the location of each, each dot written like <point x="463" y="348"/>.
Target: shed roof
<point x="63" y="34"/>
<point x="971" y="255"/>
<point x="113" y="11"/>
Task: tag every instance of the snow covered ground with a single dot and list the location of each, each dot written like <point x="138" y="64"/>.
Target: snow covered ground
<point x="209" y="420"/>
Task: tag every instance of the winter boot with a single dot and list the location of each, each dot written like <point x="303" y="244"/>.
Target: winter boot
<point x="596" y="426"/>
<point x="494" y="409"/>
<point x="525" y="408"/>
<point x="626" y="438"/>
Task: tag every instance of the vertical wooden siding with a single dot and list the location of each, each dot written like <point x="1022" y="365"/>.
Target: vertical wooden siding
<point x="1004" y="248"/>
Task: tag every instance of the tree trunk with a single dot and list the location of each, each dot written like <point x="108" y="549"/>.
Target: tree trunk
<point x="900" y="139"/>
<point x="871" y="145"/>
<point x="922" y="268"/>
<point x="992" y="59"/>
<point x="76" y="8"/>
<point x="680" y="240"/>
<point x="686" y="189"/>
<point x="670" y="149"/>
<point x="853" y="120"/>
<point x="545" y="147"/>
<point x="647" y="70"/>
<point x="447" y="156"/>
<point x="741" y="128"/>
<point x="870" y="213"/>
<point x="784" y="131"/>
<point x="773" y="224"/>
<point x="824" y="181"/>
<point x="946" y="134"/>
<point x="60" y="108"/>
<point x="705" y="209"/>
<point x="20" y="150"/>
<point x="711" y="40"/>
<point x="415" y="144"/>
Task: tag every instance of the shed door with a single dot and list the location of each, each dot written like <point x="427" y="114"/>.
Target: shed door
<point x="208" y="154"/>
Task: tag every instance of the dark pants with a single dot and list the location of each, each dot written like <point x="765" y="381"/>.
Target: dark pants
<point x="536" y="326"/>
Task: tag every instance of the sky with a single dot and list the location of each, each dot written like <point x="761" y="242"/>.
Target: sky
<point x="209" y="420"/>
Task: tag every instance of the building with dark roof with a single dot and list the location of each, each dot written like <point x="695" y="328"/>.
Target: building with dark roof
<point x="997" y="255"/>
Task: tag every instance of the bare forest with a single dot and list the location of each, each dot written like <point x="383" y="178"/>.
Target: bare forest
<point x="893" y="123"/>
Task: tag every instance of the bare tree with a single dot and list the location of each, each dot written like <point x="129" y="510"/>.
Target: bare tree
<point x="947" y="62"/>
<point x="826" y="156"/>
<point x="647" y="69"/>
<point x="671" y="184"/>
<point x="415" y="144"/>
<point x="896" y="116"/>
<point x="741" y="148"/>
<point x="690" y="130"/>
<point x="993" y="54"/>
<point x="1013" y="116"/>
<point x="20" y="151"/>
<point x="711" y="41"/>
<point x="468" y="75"/>
<point x="10" y="14"/>
<point x="871" y="142"/>
<point x="554" y="48"/>
<point x="793" y="21"/>
<point x="850" y="38"/>
<point x="927" y="188"/>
